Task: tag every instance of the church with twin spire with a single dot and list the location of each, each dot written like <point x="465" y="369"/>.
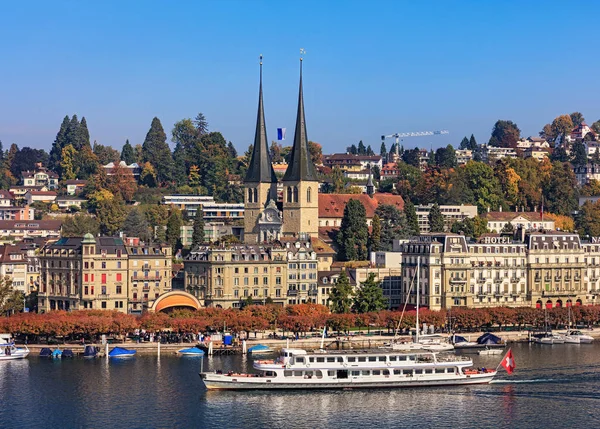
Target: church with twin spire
<point x="297" y="215"/>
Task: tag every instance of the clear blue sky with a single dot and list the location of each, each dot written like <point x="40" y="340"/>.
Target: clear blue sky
<point x="371" y="68"/>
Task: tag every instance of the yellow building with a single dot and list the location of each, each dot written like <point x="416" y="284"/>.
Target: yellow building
<point x="97" y="273"/>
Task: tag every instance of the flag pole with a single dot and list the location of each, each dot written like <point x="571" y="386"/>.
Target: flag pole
<point x="500" y="363"/>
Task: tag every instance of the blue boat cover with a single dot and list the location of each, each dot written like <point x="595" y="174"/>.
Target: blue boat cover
<point x="459" y="339"/>
<point x="489" y="338"/>
<point x="193" y="350"/>
<point x="56" y="353"/>
<point x="67" y="353"/>
<point x="90" y="351"/>
<point x="120" y="351"/>
<point x="258" y="348"/>
<point x="45" y="352"/>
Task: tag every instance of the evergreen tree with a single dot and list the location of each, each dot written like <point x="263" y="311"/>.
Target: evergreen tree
<point x="370" y="151"/>
<point x="432" y="160"/>
<point x="436" y="219"/>
<point x="84" y="134"/>
<point x="353" y="234"/>
<point x="173" y="235"/>
<point x="198" y="233"/>
<point x="352" y="150"/>
<point x="72" y="134"/>
<point x="340" y="296"/>
<point x="155" y="150"/>
<point x="369" y="296"/>
<point x="472" y="143"/>
<point x="201" y="124"/>
<point x="79" y="225"/>
<point x="579" y="154"/>
<point x="232" y="151"/>
<point x="59" y="143"/>
<point x="127" y="154"/>
<point x="508" y="228"/>
<point x="445" y="157"/>
<point x="179" y="161"/>
<point x="135" y="225"/>
<point x="393" y="225"/>
<point x="375" y="238"/>
<point x="362" y="150"/>
<point x="412" y="221"/>
<point x="464" y="144"/>
<point x="383" y="151"/>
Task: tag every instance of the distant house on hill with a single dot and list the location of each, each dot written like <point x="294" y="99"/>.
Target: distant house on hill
<point x="527" y="220"/>
<point x="331" y="206"/>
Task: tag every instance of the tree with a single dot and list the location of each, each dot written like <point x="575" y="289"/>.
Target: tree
<point x="412" y="157"/>
<point x="337" y="180"/>
<point x="198" y="232"/>
<point x="122" y="182"/>
<point x="179" y="166"/>
<point x="472" y="143"/>
<point x="11" y="300"/>
<point x="464" y="144"/>
<point x="362" y="150"/>
<point x="275" y="151"/>
<point x="353" y="234"/>
<point x="478" y="185"/>
<point x="59" y="143"/>
<point x="316" y="152"/>
<point x="375" y="238"/>
<point x="135" y="225"/>
<point x="111" y="214"/>
<point x="79" y="225"/>
<point x="174" y="224"/>
<point x="436" y="219"/>
<point x="383" y="151"/>
<point x="83" y="135"/>
<point x="577" y="119"/>
<point x="340" y="296"/>
<point x="369" y="296"/>
<point x="67" y="163"/>
<point x="370" y="151"/>
<point x="579" y="154"/>
<point x="508" y="228"/>
<point x="393" y="225"/>
<point x="352" y="150"/>
<point x="412" y="221"/>
<point x="127" y="153"/>
<point x="560" y="155"/>
<point x="148" y="175"/>
<point x="446" y="157"/>
<point x="560" y="190"/>
<point x="106" y="154"/>
<point x="155" y="150"/>
<point x="561" y="126"/>
<point x="596" y="127"/>
<point x="588" y="221"/>
<point x="201" y="124"/>
<point x="505" y="134"/>
<point x="26" y="159"/>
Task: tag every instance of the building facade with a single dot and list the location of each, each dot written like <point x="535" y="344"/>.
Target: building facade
<point x="451" y="214"/>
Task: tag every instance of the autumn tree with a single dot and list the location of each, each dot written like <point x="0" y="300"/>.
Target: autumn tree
<point x="316" y="152"/>
<point x="353" y="234"/>
<point x="79" y="225"/>
<point x="340" y="295"/>
<point x="505" y="134"/>
<point x="588" y="219"/>
<point x="66" y="168"/>
<point x="375" y="237"/>
<point x="577" y="119"/>
<point x="198" y="231"/>
<point x="111" y="214"/>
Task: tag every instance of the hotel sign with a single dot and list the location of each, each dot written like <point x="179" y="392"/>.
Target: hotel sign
<point x="497" y="240"/>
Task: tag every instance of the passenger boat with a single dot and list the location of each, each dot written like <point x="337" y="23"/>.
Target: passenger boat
<point x="121" y="353"/>
<point x="8" y="350"/>
<point x="193" y="351"/>
<point x="299" y="369"/>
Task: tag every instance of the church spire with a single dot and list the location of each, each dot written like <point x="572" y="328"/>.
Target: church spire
<point x="301" y="166"/>
<point x="260" y="168"/>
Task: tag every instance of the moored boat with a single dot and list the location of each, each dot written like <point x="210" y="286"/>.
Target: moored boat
<point x="90" y="352"/>
<point x="583" y="339"/>
<point x="8" y="350"/>
<point x="192" y="351"/>
<point x="299" y="369"/>
<point x="487" y="352"/>
<point x="121" y="353"/>
<point x="260" y="349"/>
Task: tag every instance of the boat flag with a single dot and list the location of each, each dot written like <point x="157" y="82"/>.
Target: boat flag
<point x="280" y="133"/>
<point x="508" y="362"/>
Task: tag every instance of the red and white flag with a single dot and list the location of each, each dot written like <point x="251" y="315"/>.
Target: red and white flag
<point x="508" y="362"/>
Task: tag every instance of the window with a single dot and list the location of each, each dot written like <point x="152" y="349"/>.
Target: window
<point x="85" y="278"/>
<point x="308" y="192"/>
<point x="119" y="277"/>
<point x="104" y="265"/>
<point x="119" y="289"/>
<point x="103" y="304"/>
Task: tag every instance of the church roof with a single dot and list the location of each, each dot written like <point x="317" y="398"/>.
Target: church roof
<point x="300" y="166"/>
<point x="260" y="168"/>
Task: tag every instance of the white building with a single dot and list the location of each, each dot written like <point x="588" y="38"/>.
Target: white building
<point x="451" y="214"/>
<point x="492" y="153"/>
<point x="463" y="156"/>
<point x="586" y="173"/>
<point x="526" y="220"/>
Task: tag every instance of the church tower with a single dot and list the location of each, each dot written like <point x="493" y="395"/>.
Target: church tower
<point x="260" y="185"/>
<point x="300" y="182"/>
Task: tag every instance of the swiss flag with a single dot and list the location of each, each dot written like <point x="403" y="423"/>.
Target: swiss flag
<point x="508" y="362"/>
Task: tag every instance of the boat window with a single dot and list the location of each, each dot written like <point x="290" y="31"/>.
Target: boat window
<point x="402" y="358"/>
<point x="407" y="371"/>
<point x="397" y="372"/>
<point x="392" y="358"/>
<point x="331" y="373"/>
<point x="340" y="359"/>
<point x="319" y="374"/>
<point x="418" y="371"/>
<point x="362" y="359"/>
<point x="376" y="372"/>
<point x="352" y="359"/>
<point x="330" y="359"/>
<point x="309" y="373"/>
<point x="381" y="358"/>
<point x="355" y="373"/>
<point x="320" y="359"/>
<point x="439" y="370"/>
<point x="287" y="373"/>
<point x="271" y="374"/>
<point x="366" y="373"/>
<point x="386" y="372"/>
<point x="372" y="358"/>
<point x="297" y="373"/>
<point x="411" y="357"/>
<point x="428" y="371"/>
<point x="312" y="359"/>
<point x="300" y="359"/>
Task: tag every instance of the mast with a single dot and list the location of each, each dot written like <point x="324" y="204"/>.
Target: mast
<point x="418" y="296"/>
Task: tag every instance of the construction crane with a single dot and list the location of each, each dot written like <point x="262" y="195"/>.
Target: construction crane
<point x="398" y="136"/>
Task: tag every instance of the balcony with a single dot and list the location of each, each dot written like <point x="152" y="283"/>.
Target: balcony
<point x="556" y="293"/>
<point x="292" y="292"/>
<point x="481" y="280"/>
<point x="313" y="292"/>
<point x="456" y="280"/>
<point x="104" y="296"/>
<point x="146" y="279"/>
<point x="498" y="280"/>
<point x="515" y="280"/>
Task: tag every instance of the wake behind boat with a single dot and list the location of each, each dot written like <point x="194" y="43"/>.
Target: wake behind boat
<point x="299" y="369"/>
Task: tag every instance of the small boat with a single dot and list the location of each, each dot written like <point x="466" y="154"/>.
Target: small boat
<point x="67" y="353"/>
<point x="8" y="351"/>
<point x="121" y="353"/>
<point x="558" y="339"/>
<point x="193" y="351"/>
<point x="462" y="343"/>
<point x="259" y="349"/>
<point x="487" y="352"/>
<point x="90" y="352"/>
<point x="56" y="354"/>
<point x="583" y="339"/>
<point x="46" y="352"/>
<point x="546" y="338"/>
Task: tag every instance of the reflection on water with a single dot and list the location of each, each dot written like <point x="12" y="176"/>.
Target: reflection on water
<point x="165" y="391"/>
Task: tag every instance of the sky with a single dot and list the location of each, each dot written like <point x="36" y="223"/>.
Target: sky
<point x="371" y="67"/>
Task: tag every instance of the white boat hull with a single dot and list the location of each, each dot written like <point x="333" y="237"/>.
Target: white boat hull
<point x="17" y="354"/>
<point x="225" y="382"/>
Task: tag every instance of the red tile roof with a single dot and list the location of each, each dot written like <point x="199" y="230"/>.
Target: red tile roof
<point x="333" y="205"/>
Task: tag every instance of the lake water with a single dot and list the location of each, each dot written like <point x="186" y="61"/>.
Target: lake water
<point x="554" y="386"/>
